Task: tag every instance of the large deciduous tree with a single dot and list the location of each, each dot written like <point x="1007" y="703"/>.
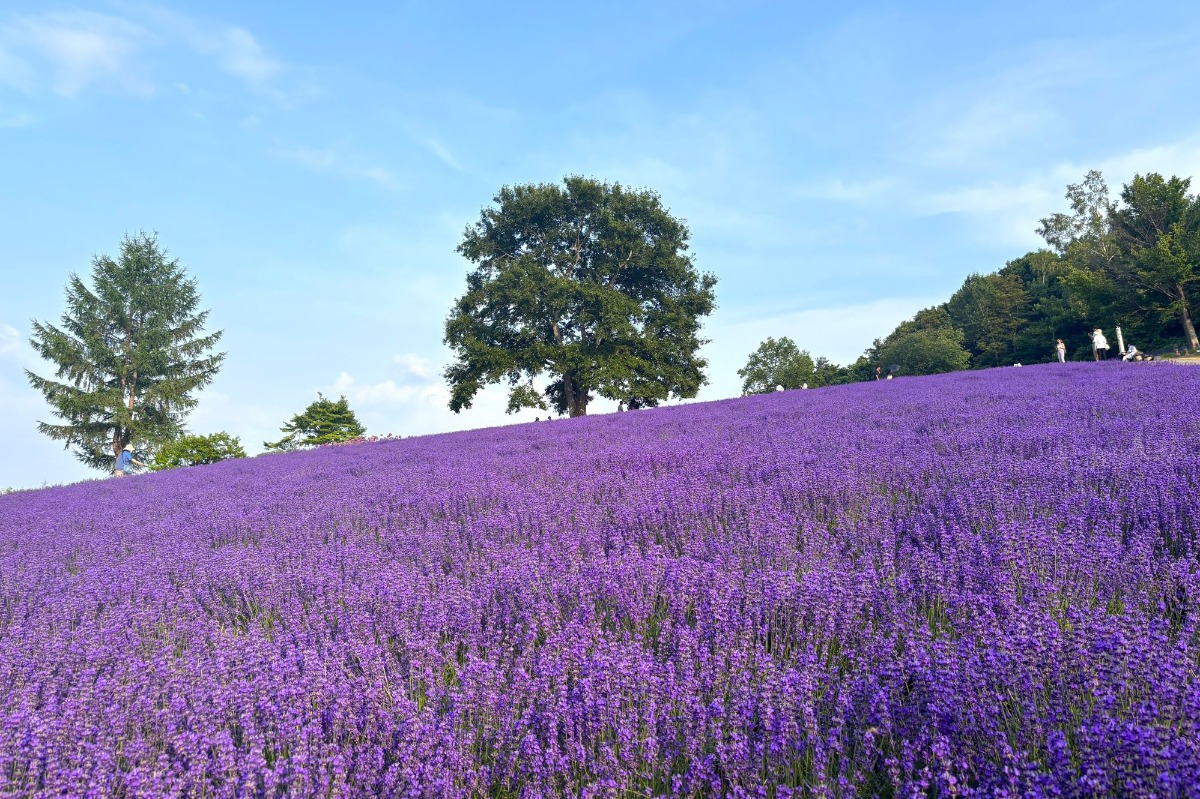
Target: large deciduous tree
<point x="1157" y="226"/>
<point x="130" y="354"/>
<point x="777" y="362"/>
<point x="587" y="283"/>
<point x="1134" y="262"/>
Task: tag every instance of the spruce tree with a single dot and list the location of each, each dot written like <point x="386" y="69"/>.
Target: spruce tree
<point x="130" y="354"/>
<point x="323" y="422"/>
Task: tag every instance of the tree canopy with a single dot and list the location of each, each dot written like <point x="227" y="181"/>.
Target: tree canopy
<point x="194" y="450"/>
<point x="927" y="344"/>
<point x="1157" y="229"/>
<point x="586" y="283"/>
<point x="777" y="362"/>
<point x="129" y="355"/>
<point x="322" y="422"/>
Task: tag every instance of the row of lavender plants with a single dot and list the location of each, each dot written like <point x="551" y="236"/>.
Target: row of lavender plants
<point x="976" y="584"/>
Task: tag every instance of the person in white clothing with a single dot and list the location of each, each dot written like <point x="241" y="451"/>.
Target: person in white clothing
<point x="1099" y="345"/>
<point x="1131" y="354"/>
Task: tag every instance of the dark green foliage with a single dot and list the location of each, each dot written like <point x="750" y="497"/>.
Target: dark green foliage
<point x="777" y="362"/>
<point x="1157" y="228"/>
<point x="1052" y="312"/>
<point x="1135" y="262"/>
<point x="990" y="310"/>
<point x="323" y="422"/>
<point x="130" y="354"/>
<point x="196" y="450"/>
<point x="927" y="344"/>
<point x="588" y="283"/>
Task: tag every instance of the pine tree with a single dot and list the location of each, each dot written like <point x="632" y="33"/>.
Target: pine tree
<point x="130" y="354"/>
<point x="323" y="422"/>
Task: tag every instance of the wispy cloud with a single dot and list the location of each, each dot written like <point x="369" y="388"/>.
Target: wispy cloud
<point x="388" y="392"/>
<point x="10" y="341"/>
<point x="78" y="49"/>
<point x="73" y="52"/>
<point x="15" y="119"/>
<point x="389" y="406"/>
<point x="443" y="154"/>
<point x="839" y="333"/>
<point x="974" y="118"/>
<point x="417" y="366"/>
<point x="15" y="72"/>
<point x="1008" y="211"/>
<point x="847" y="191"/>
<point x="333" y="161"/>
<point x="240" y="54"/>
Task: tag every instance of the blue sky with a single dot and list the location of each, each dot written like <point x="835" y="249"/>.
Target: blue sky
<point x="313" y="167"/>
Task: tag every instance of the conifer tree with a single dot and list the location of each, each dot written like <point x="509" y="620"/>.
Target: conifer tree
<point x="130" y="354"/>
<point x="323" y="422"/>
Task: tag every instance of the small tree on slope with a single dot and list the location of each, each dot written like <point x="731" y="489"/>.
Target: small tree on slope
<point x="323" y="422"/>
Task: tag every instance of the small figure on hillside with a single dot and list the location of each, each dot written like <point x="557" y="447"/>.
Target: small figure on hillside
<point x="1060" y="349"/>
<point x="1018" y="363"/>
<point x="1099" y="345"/>
<point x="878" y="370"/>
<point x="1132" y="354"/>
<point x="778" y="387"/>
<point x="805" y="386"/>
<point x="124" y="460"/>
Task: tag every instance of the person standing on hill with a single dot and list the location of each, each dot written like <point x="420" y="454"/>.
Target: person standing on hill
<point x="124" y="460"/>
<point x="1060" y="350"/>
<point x="1099" y="345"/>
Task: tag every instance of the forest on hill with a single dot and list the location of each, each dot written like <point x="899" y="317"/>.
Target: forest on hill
<point x="1131" y="263"/>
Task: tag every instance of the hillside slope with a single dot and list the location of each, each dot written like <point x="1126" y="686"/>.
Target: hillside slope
<point x="978" y="582"/>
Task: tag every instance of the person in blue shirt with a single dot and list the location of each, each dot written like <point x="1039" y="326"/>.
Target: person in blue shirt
<point x="124" y="460"/>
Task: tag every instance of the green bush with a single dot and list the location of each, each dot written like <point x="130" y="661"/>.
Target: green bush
<point x="194" y="450"/>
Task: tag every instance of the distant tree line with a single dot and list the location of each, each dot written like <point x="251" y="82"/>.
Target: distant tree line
<point x="1132" y="262"/>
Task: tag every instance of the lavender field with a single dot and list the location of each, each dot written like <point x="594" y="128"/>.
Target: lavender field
<point x="979" y="584"/>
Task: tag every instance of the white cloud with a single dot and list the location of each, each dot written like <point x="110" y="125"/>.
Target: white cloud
<point x="416" y="365"/>
<point x="973" y="118"/>
<point x="331" y="161"/>
<point x="1178" y="158"/>
<point x="76" y="51"/>
<point x="15" y="71"/>
<point x="10" y="341"/>
<point x="839" y="333"/>
<point x="846" y="191"/>
<point x="81" y="50"/>
<point x="443" y="154"/>
<point x="252" y="423"/>
<point x="1008" y="212"/>
<point x="388" y="392"/>
<point x="240" y="55"/>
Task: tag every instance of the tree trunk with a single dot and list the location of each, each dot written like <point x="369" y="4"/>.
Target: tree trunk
<point x="577" y="398"/>
<point x="1190" y="331"/>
